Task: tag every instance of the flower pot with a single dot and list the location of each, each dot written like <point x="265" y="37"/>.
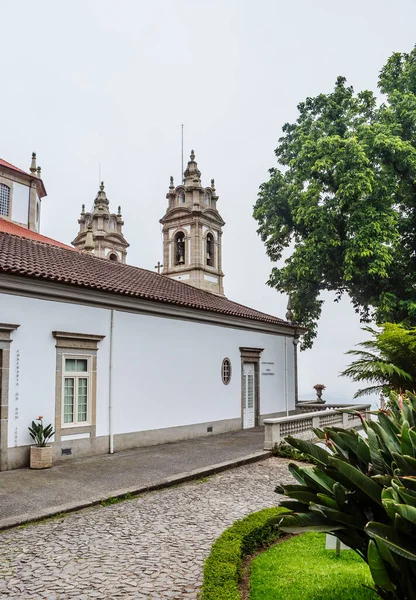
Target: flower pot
<point x="40" y="457"/>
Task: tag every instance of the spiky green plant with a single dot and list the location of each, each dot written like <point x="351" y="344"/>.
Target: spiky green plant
<point x="40" y="434"/>
<point x="363" y="490"/>
<point x="388" y="360"/>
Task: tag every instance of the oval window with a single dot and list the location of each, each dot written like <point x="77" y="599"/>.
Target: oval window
<point x="226" y="371"/>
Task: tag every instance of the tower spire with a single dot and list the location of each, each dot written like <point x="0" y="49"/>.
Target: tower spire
<point x="192" y="175"/>
<point x="33" y="164"/>
<point x="182" y="178"/>
<point x="289" y="312"/>
<point x="101" y="202"/>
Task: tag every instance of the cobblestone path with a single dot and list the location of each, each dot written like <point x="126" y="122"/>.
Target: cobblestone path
<point x="149" y="548"/>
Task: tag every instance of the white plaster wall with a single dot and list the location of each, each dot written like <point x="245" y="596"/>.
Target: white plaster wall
<point x="176" y="369"/>
<point x="20" y="203"/>
<point x="166" y="372"/>
<point x="36" y="346"/>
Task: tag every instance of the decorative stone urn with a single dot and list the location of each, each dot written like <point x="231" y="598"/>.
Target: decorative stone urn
<point x="319" y="388"/>
<point x="40" y="457"/>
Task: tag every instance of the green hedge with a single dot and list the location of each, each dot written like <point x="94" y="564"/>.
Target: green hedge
<point x="223" y="567"/>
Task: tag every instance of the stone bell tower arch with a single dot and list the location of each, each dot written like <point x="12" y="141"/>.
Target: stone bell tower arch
<point x="192" y="233"/>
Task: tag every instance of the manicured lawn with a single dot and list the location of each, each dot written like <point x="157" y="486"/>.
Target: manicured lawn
<point x="301" y="569"/>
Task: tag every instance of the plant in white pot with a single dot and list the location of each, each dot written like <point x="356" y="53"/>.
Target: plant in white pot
<point x="41" y="454"/>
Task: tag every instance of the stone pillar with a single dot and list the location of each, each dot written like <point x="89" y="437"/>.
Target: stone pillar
<point x="33" y="200"/>
<point x="5" y="341"/>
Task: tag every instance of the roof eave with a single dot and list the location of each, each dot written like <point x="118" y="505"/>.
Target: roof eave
<point x="25" y="285"/>
<point x="40" y="186"/>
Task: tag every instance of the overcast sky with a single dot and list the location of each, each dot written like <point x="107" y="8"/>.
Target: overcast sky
<point x="105" y="81"/>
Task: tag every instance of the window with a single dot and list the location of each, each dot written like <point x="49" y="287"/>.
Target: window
<point x="76" y="393"/>
<point x="113" y="257"/>
<point x="181" y="197"/>
<point x="210" y="250"/>
<point x="180" y="248"/>
<point x="76" y="384"/>
<point x="207" y="198"/>
<point x="226" y="371"/>
<point x="4" y="200"/>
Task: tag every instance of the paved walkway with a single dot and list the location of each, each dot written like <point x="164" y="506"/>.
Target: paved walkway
<point x="26" y="494"/>
<point x="149" y="548"/>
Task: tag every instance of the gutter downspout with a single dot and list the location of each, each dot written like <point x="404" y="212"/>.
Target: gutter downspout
<point x="295" y="344"/>
<point x="110" y="383"/>
<point x="286" y="395"/>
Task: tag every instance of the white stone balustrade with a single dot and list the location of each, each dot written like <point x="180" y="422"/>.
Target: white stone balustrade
<point x="302" y="425"/>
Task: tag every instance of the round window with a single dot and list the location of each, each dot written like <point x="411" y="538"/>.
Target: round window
<point x="226" y="371"/>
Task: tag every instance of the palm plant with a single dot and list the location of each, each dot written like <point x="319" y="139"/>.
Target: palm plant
<point x="363" y="490"/>
<point x="388" y="360"/>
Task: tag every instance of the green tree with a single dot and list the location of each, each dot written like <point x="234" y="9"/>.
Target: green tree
<point x="344" y="200"/>
<point x="388" y="360"/>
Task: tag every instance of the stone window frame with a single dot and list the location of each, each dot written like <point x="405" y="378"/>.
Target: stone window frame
<point x="251" y="355"/>
<point x="75" y="375"/>
<point x="6" y="330"/>
<point x="181" y="196"/>
<point x="213" y="262"/>
<point x="78" y="345"/>
<point x="8" y="183"/>
<point x="226" y="378"/>
<point x="175" y="242"/>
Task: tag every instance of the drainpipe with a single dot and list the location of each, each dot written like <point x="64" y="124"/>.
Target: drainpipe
<point x="286" y="395"/>
<point x="110" y="395"/>
<point x="295" y="344"/>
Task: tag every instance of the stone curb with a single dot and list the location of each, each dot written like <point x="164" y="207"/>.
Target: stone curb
<point x="162" y="483"/>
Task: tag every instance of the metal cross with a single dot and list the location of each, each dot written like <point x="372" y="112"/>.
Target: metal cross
<point x="158" y="266"/>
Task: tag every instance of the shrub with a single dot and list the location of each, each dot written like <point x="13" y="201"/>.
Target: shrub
<point x="284" y="450"/>
<point x="223" y="567"/>
<point x="364" y="491"/>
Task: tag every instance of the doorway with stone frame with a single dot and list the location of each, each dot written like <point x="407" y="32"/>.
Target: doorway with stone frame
<point x="250" y="386"/>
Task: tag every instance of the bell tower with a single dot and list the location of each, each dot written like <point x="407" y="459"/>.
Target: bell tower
<point x="192" y="233"/>
<point x="101" y="232"/>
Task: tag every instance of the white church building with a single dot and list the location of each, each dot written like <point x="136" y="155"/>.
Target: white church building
<point x="116" y="356"/>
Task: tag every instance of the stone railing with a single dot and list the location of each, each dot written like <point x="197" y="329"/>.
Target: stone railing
<point x="302" y="425"/>
<point x="313" y="406"/>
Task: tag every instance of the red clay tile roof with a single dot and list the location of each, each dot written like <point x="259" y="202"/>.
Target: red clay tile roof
<point x="38" y="182"/>
<point x="4" y="163"/>
<point x="13" y="229"/>
<point x="44" y="261"/>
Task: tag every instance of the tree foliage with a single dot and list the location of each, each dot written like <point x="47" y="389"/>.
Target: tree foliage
<point x="388" y="360"/>
<point x="363" y="490"/>
<point x="344" y="198"/>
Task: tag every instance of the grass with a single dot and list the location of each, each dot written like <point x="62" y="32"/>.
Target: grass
<point x="301" y="569"/>
<point x="224" y="566"/>
<point x="40" y="521"/>
<point x="117" y="499"/>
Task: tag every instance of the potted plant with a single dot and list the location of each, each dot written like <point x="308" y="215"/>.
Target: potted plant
<point x="41" y="454"/>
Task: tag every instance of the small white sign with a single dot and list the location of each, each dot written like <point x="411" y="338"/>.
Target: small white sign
<point x="331" y="543"/>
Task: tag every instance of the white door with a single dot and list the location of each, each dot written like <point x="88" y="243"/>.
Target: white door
<point x="249" y="399"/>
